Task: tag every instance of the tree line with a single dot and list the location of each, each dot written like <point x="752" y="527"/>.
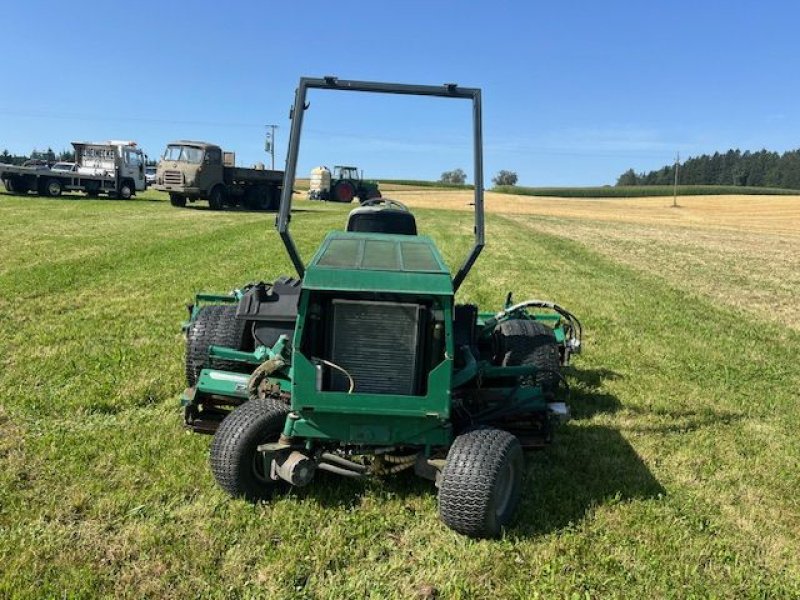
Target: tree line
<point x="49" y="155"/>
<point x="459" y="177"/>
<point x="748" y="169"/>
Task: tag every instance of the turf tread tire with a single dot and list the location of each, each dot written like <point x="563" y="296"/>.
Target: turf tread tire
<point x="215" y="325"/>
<point x="468" y="490"/>
<point x="235" y="444"/>
<point x="525" y="342"/>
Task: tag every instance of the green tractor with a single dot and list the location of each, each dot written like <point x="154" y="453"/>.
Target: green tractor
<point x="346" y="184"/>
<point x="365" y="365"/>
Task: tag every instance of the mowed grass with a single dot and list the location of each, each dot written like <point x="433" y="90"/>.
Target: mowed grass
<point x="676" y="478"/>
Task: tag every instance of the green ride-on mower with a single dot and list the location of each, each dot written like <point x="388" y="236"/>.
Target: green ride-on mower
<point x="366" y="365"/>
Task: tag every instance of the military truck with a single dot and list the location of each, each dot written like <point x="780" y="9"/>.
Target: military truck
<point x="343" y="185"/>
<point x="191" y="171"/>
<point x="114" y="167"/>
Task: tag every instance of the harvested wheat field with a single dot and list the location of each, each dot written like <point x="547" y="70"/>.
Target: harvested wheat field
<point x="773" y="214"/>
<point x="741" y="251"/>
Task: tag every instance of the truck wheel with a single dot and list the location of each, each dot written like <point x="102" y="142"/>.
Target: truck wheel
<point x="53" y="188"/>
<point x="9" y="185"/>
<point x="177" y="200"/>
<point x="344" y="191"/>
<point x="524" y="342"/>
<point x="215" y="325"/>
<point x="481" y="482"/>
<point x="126" y="191"/>
<point x="216" y="199"/>
<point x="235" y="461"/>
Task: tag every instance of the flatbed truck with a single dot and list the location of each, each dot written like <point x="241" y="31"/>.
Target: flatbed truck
<point x="114" y="168"/>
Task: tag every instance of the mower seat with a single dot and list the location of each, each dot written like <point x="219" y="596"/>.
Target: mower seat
<point x="380" y="215"/>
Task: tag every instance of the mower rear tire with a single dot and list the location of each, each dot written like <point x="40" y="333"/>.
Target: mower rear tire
<point x="481" y="482"/>
<point x="525" y="342"/>
<point x="215" y="325"/>
<point x="235" y="461"/>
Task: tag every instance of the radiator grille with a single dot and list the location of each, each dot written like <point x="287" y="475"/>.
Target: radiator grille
<point x="173" y="177"/>
<point x="377" y="343"/>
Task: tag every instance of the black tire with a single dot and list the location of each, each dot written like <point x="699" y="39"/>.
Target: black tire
<point x="524" y="342"/>
<point x="481" y="482"/>
<point x="259" y="197"/>
<point x="215" y="325"/>
<point x="216" y="199"/>
<point x="126" y="190"/>
<point x="52" y="188"/>
<point x="9" y="185"/>
<point x="344" y="191"/>
<point x="235" y="461"/>
<point x="177" y="200"/>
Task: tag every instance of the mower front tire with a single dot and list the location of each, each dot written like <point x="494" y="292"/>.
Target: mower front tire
<point x="235" y="461"/>
<point x="215" y="325"/>
<point x="481" y="482"/>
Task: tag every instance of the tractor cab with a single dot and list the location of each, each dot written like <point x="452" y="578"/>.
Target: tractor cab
<point x="342" y="172"/>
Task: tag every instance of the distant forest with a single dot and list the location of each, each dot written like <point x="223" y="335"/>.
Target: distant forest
<point x="747" y="169"/>
<point x="49" y="155"/>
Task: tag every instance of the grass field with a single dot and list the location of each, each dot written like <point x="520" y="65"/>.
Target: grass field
<point x="678" y="476"/>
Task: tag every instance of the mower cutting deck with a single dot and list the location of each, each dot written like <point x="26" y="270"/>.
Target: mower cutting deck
<point x="367" y="366"/>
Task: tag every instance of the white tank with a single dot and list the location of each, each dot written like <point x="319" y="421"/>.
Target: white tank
<point x="320" y="183"/>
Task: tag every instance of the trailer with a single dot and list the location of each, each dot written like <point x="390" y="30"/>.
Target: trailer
<point x="189" y="171"/>
<point x="114" y="168"/>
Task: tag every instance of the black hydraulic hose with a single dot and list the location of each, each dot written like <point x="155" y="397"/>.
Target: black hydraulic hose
<point x="343" y="462"/>
<point x="339" y="470"/>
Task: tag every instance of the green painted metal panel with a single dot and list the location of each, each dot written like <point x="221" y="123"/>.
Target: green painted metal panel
<point x="371" y="430"/>
<point x="346" y="280"/>
<point x="222" y="383"/>
<point x="379" y="251"/>
<point x="305" y="396"/>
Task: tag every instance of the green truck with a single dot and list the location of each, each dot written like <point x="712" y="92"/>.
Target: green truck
<point x="190" y="171"/>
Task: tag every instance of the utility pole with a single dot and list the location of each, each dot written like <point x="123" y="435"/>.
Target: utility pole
<point x="270" y="145"/>
<point x="675" y="186"/>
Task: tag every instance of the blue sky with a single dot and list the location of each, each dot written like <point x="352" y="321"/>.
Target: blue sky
<point x="574" y="93"/>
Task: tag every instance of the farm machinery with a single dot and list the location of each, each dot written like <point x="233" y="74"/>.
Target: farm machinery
<point x="365" y="365"/>
<point x="345" y="184"/>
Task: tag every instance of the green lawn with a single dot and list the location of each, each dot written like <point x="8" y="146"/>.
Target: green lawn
<point x="678" y="476"/>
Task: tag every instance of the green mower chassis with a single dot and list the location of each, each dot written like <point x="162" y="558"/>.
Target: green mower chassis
<point x="367" y="366"/>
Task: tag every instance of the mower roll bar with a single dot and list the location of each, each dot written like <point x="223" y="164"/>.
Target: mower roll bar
<point x="449" y="90"/>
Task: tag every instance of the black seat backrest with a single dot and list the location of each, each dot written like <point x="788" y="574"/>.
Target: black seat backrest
<point x="382" y="220"/>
